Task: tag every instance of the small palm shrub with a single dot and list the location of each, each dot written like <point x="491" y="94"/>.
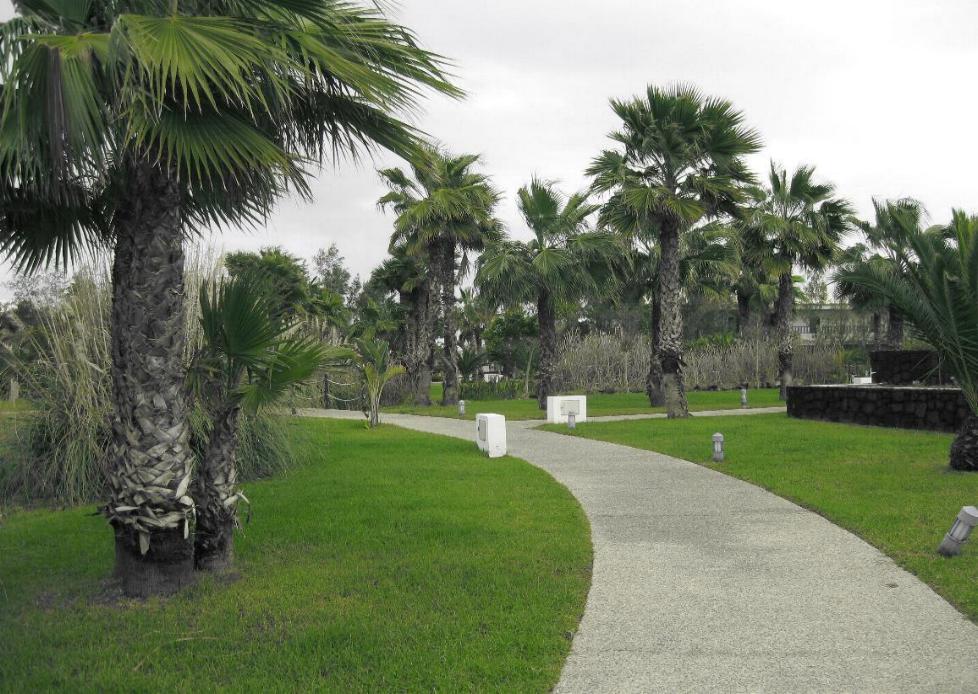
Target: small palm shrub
<point x="373" y="362"/>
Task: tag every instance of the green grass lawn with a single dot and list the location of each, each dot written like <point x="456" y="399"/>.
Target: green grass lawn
<point x="892" y="487"/>
<point x="386" y="560"/>
<point x="598" y="404"/>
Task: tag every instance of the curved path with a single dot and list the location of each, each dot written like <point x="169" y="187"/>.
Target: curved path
<point x="705" y="582"/>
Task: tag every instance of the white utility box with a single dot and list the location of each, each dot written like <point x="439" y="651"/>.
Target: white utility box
<point x="490" y="434"/>
<point x="559" y="406"/>
<point x="862" y="380"/>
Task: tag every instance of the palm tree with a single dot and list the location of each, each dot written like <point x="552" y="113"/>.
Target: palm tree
<point x="445" y="212"/>
<point x="132" y="125"/>
<point x="408" y="276"/>
<point x="798" y="222"/>
<point x="247" y="359"/>
<point x="895" y="219"/>
<point x="372" y="361"/>
<point x="707" y="262"/>
<point x="680" y="161"/>
<point x="934" y="284"/>
<point x="477" y="311"/>
<point x="554" y="268"/>
<point x="857" y="295"/>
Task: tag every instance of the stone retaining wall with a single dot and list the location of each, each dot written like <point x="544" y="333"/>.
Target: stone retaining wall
<point x="938" y="409"/>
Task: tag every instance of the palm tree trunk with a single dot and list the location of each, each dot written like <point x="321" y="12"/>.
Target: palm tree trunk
<point x="418" y="346"/>
<point x="964" y="448"/>
<point x="450" y="340"/>
<point x="783" y="311"/>
<point x="877" y="322"/>
<point x="743" y="312"/>
<point x="150" y="454"/>
<point x="548" y="348"/>
<point x="894" y="330"/>
<point x="214" y="492"/>
<point x="653" y="382"/>
<point x="671" y="330"/>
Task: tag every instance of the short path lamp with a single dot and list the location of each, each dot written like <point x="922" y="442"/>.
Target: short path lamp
<point x="718" y="447"/>
<point x="743" y="397"/>
<point x="571" y="420"/>
<point x="461" y="408"/>
<point x="963" y="525"/>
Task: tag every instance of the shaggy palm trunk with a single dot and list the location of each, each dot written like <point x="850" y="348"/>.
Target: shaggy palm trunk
<point x="743" y="312"/>
<point x="783" y="311"/>
<point x="877" y="329"/>
<point x="215" y="491"/>
<point x="548" y="348"/>
<point x="150" y="454"/>
<point x="964" y="449"/>
<point x="450" y="346"/>
<point x="894" y="330"/>
<point x="653" y="382"/>
<point x="418" y="344"/>
<point x="671" y="323"/>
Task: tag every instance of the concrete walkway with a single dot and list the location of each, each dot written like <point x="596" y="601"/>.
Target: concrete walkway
<point x="704" y="582"/>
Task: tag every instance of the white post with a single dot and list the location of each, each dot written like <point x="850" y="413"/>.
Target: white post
<point x="14" y="390"/>
<point x="461" y="408"/>
<point x="718" y="447"/>
<point x="743" y="397"/>
<point x="571" y="420"/>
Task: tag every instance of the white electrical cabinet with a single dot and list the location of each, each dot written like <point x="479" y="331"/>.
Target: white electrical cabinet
<point x="559" y="406"/>
<point x="490" y="434"/>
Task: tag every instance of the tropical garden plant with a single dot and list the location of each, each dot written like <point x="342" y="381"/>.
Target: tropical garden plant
<point x="933" y="283"/>
<point x="133" y="125"/>
<point x="407" y="275"/>
<point x="795" y="221"/>
<point x="250" y="354"/>
<point x="555" y="268"/>
<point x="679" y="159"/>
<point x="444" y="212"/>
<point x="894" y="220"/>
<point x="373" y="362"/>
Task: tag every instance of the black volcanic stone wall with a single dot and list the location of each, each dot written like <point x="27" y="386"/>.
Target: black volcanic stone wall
<point x="939" y="409"/>
<point x="905" y="367"/>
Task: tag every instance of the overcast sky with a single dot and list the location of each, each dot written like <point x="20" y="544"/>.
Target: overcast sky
<point x="879" y="96"/>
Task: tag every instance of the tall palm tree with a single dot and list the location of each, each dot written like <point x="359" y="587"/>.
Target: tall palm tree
<point x="476" y="312"/>
<point x="446" y="211"/>
<point x="858" y="296"/>
<point x="408" y="276"/>
<point x="130" y="125"/>
<point x="894" y="219"/>
<point x="800" y="223"/>
<point x="934" y="284"/>
<point x="248" y="357"/>
<point x="679" y="161"/>
<point x="707" y="259"/>
<point x="554" y="268"/>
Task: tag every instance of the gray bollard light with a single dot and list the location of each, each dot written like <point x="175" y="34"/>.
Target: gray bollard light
<point x="461" y="408"/>
<point x="571" y="420"/>
<point x="743" y="397"/>
<point x="963" y="525"/>
<point x="718" y="447"/>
